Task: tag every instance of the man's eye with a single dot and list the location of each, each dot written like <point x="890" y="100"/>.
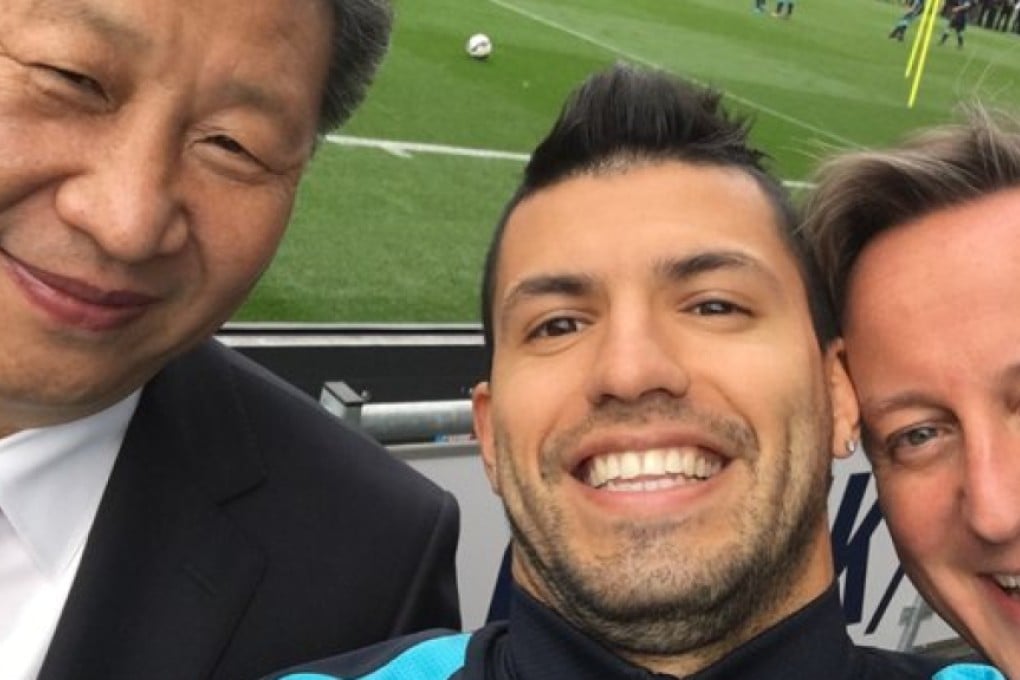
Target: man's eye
<point x="230" y="145"/>
<point x="69" y="88"/>
<point x="222" y="153"/>
<point x="917" y="436"/>
<point x="715" y="308"/>
<point x="909" y="443"/>
<point x="561" y="325"/>
<point x="78" y="81"/>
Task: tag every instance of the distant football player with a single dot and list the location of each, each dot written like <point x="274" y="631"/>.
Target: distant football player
<point x="955" y="12"/>
<point x="900" y="29"/>
<point x="784" y="9"/>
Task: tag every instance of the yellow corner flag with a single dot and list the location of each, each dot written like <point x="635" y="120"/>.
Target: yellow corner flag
<point x="919" y="51"/>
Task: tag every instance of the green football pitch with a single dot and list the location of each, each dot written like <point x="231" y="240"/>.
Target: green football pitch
<point x="395" y="213"/>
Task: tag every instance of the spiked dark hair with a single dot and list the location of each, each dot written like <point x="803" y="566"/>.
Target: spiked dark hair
<point x="625" y="116"/>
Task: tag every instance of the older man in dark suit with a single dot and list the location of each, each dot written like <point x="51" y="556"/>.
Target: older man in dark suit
<point x="168" y="509"/>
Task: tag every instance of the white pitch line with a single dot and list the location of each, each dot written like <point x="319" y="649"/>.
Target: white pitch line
<point x="405" y="149"/>
<point x="797" y="184"/>
<point x="641" y="60"/>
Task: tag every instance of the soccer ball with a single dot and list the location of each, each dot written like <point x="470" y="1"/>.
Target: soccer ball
<point x="479" y="46"/>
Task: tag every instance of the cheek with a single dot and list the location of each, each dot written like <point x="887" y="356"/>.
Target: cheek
<point x="536" y="398"/>
<point x="518" y="430"/>
<point x="531" y="409"/>
<point x="34" y="157"/>
<point x="516" y="483"/>
<point x="236" y="246"/>
<point x="773" y="391"/>
<point x="918" y="513"/>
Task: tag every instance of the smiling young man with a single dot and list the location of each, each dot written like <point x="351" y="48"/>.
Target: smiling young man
<point x="664" y="402"/>
<point x="921" y="248"/>
<point x="169" y="510"/>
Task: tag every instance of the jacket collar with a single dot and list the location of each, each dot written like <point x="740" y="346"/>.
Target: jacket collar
<point x="812" y="643"/>
<point x="166" y="574"/>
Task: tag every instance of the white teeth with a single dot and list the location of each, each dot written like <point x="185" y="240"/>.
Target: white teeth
<point x="612" y="468"/>
<point x="630" y="465"/>
<point x="674" y="463"/>
<point x="625" y="485"/>
<point x="654" y="463"/>
<point x="1008" y="581"/>
<point x="657" y="468"/>
<point x="644" y="485"/>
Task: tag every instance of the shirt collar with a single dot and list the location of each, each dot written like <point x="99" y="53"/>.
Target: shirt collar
<point x="810" y="643"/>
<point x="52" y="479"/>
<point x="543" y="645"/>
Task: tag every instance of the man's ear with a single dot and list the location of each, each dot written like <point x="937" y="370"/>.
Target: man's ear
<point x="846" y="416"/>
<point x="481" y="412"/>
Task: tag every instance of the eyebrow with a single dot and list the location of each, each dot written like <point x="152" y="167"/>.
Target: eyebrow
<point x="672" y="269"/>
<point x="686" y="268"/>
<point x="248" y="94"/>
<point x="569" y="285"/>
<point x="876" y="408"/>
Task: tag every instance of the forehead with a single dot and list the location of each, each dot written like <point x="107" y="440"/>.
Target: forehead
<point x="269" y="20"/>
<point x="961" y="251"/>
<point x="605" y="223"/>
<point x="937" y="294"/>
<point x="271" y="54"/>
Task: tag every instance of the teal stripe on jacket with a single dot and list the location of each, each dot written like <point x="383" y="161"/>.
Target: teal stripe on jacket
<point x="435" y="659"/>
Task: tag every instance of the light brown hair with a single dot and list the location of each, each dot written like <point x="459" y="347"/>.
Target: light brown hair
<point x="861" y="194"/>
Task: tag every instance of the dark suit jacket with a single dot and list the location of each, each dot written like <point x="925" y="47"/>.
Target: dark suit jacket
<point x="244" y="529"/>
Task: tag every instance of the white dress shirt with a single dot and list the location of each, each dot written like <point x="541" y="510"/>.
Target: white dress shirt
<point x="51" y="482"/>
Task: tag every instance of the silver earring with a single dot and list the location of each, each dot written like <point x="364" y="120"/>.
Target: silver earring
<point x="851" y="445"/>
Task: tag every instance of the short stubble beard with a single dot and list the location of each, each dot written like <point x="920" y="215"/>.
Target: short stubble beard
<point x="694" y="604"/>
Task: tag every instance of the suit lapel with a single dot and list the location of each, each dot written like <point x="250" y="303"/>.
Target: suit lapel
<point x="166" y="574"/>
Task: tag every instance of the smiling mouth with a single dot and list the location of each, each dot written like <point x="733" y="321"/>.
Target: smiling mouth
<point x="1010" y="584"/>
<point x="76" y="303"/>
<point x="651" y="470"/>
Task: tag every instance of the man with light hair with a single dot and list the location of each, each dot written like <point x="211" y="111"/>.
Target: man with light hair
<point x="920" y="245"/>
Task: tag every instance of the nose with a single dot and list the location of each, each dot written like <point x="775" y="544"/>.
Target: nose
<point x="124" y="198"/>
<point x="636" y="354"/>
<point x="992" y="483"/>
